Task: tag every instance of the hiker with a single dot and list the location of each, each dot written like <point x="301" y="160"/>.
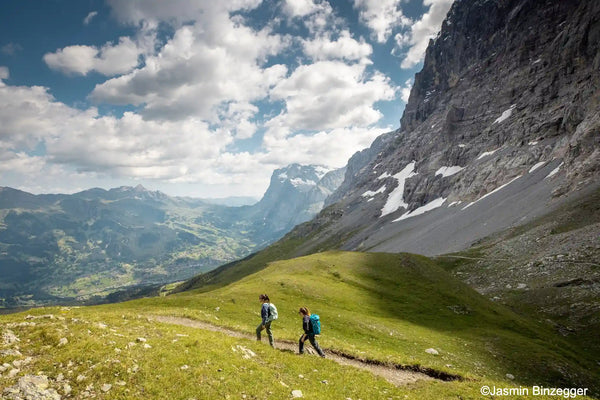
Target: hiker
<point x="268" y="313"/>
<point x="309" y="332"/>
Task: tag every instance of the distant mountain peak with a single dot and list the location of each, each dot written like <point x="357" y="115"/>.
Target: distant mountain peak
<point x="301" y="175"/>
<point x="138" y="188"/>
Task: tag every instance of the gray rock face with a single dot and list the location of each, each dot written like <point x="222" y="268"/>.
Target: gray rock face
<point x="295" y="195"/>
<point x="356" y="165"/>
<point x="507" y="88"/>
<point x="514" y="76"/>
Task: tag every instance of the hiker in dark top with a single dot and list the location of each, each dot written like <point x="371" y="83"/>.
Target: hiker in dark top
<point x="265" y="323"/>
<point x="308" y="333"/>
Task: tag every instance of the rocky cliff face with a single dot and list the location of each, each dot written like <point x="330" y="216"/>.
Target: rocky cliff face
<point x="295" y="194"/>
<point x="516" y="76"/>
<point x="502" y="122"/>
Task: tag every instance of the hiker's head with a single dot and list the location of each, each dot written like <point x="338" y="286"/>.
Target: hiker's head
<point x="304" y="311"/>
<point x="264" y="298"/>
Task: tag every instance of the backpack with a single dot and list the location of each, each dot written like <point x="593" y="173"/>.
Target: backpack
<point x="315" y="322"/>
<point x="272" y="312"/>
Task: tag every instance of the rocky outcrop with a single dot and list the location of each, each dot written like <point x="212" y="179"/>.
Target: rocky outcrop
<point x="34" y="387"/>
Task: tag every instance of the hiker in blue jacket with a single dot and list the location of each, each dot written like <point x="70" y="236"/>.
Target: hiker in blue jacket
<point x="265" y="323"/>
<point x="308" y="332"/>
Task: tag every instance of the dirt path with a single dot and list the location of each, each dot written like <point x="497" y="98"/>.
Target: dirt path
<point x="395" y="374"/>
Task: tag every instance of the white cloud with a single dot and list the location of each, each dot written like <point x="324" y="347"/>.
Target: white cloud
<point x="21" y="163"/>
<point x="130" y="146"/>
<point x="302" y="8"/>
<point x="29" y="113"/>
<point x="85" y="148"/>
<point x="344" y="47"/>
<point x="107" y="60"/>
<point x="202" y="67"/>
<point x="405" y="91"/>
<point x="329" y="95"/>
<point x="422" y="31"/>
<point x="236" y="119"/>
<point x="126" y="146"/>
<point x="332" y="148"/>
<point x="174" y="11"/>
<point x="381" y="16"/>
<point x="317" y="16"/>
<point x="4" y="73"/>
<point x="89" y="17"/>
<point x="198" y="93"/>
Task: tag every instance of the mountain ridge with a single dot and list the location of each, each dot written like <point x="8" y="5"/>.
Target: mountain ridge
<point x="495" y="110"/>
<point x="60" y="247"/>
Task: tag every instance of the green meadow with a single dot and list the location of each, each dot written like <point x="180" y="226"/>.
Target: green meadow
<point x="378" y="307"/>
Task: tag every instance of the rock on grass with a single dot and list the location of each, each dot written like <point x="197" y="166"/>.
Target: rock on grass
<point x="31" y="387"/>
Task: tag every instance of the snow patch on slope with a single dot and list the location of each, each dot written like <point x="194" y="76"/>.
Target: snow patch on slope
<point x="370" y="193"/>
<point x="505" y="115"/>
<point x="302" y="182"/>
<point x="487" y="153"/>
<point x="491" y="193"/>
<point x="554" y="171"/>
<point x="448" y="171"/>
<point x="536" y="166"/>
<point x="321" y="171"/>
<point x="423" y="209"/>
<point x="395" y="199"/>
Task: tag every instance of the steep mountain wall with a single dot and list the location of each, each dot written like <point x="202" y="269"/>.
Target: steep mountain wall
<point x="502" y="125"/>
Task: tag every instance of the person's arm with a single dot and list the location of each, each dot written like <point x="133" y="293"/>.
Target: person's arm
<point x="306" y="324"/>
<point x="264" y="313"/>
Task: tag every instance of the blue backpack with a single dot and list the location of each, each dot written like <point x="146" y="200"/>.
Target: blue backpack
<point x="315" y="322"/>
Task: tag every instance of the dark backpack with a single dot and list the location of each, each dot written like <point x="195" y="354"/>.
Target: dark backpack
<point x="315" y="322"/>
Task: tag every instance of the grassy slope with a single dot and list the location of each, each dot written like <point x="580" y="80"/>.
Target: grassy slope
<point x="378" y="306"/>
<point x="391" y="308"/>
<point x="216" y="367"/>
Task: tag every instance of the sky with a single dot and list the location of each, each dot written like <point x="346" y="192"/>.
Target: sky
<point x="199" y="98"/>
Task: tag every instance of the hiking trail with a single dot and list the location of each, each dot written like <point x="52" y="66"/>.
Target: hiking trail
<point x="396" y="374"/>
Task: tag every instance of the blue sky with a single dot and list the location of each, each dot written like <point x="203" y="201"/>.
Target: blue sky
<point x="197" y="97"/>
